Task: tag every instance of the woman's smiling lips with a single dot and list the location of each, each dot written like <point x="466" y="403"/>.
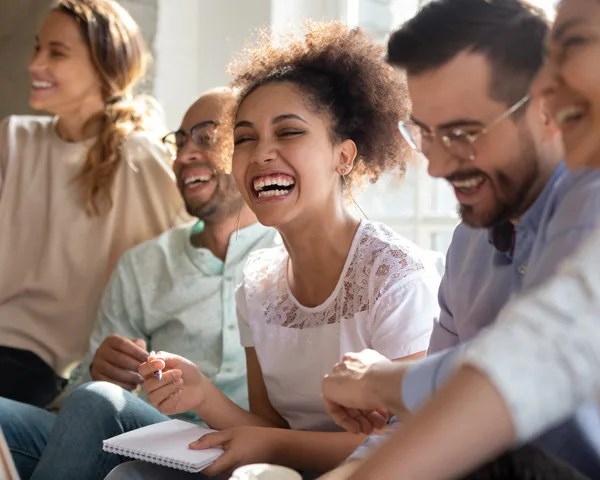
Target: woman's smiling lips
<point x="274" y="185"/>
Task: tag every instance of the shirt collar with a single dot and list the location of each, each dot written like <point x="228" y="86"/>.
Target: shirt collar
<point x="241" y="241"/>
<point x="247" y="235"/>
<point x="502" y="236"/>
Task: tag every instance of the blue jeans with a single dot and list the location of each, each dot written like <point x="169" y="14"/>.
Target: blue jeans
<point x="70" y="445"/>
<point x="26" y="429"/>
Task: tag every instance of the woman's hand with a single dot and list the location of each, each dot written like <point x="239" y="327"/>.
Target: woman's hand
<point x="242" y="445"/>
<point x="180" y="388"/>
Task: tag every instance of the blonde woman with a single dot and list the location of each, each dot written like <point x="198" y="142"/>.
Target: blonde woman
<point x="76" y="190"/>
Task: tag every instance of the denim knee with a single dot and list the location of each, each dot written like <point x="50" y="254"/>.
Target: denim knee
<point x="99" y="398"/>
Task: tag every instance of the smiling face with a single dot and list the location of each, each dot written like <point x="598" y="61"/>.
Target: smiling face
<point x="569" y="82"/>
<point x="62" y="73"/>
<point x="208" y="195"/>
<point x="503" y="178"/>
<point x="284" y="161"/>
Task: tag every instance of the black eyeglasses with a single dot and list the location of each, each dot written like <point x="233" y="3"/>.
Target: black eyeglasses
<point x="203" y="134"/>
<point x="456" y="141"/>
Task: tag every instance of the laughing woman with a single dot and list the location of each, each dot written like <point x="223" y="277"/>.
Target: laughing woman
<point x="76" y="191"/>
<point x="314" y="118"/>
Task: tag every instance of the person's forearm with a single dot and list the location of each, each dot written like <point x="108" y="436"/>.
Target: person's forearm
<point x="465" y="424"/>
<point x="314" y="451"/>
<point x="342" y="472"/>
<point x="220" y="413"/>
<point x="385" y="381"/>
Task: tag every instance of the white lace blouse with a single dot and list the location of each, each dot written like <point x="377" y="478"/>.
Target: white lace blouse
<point x="385" y="299"/>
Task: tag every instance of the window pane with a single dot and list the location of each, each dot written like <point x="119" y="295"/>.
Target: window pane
<point x="440" y="241"/>
<point x="443" y="201"/>
<point x="389" y="198"/>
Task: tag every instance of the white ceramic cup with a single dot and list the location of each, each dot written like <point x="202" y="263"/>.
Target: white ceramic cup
<point x="264" y="471"/>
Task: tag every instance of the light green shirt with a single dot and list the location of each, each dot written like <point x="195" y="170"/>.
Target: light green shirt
<point x="181" y="299"/>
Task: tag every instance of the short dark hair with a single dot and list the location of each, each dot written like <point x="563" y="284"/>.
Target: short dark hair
<point x="341" y="72"/>
<point x="509" y="33"/>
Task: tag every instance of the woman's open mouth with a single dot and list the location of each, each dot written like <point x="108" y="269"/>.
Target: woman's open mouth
<point x="278" y="185"/>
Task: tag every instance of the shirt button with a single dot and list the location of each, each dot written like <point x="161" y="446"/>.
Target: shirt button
<point x="228" y="370"/>
<point x="522" y="269"/>
<point x="231" y="327"/>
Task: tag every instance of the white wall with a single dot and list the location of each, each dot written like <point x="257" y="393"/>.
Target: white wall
<point x="196" y="40"/>
<point x="286" y="14"/>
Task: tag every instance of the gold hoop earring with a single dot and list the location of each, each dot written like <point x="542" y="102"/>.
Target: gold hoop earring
<point x="352" y="197"/>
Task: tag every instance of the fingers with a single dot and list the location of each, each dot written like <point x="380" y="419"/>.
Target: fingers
<point x="121" y="360"/>
<point x="354" y="420"/>
<point x="140" y="342"/>
<point x="358" y="417"/>
<point x="117" y="360"/>
<point x="341" y="417"/>
<point x="167" y="393"/>
<point x="153" y="364"/>
<point x="377" y="419"/>
<point x="167" y="399"/>
<point x="170" y="377"/>
<point x="164" y="359"/>
<point x="173" y="403"/>
<point x="363" y="358"/>
<point x="227" y="461"/>
<point x="103" y="370"/>
<point x="127" y="347"/>
<point x="211" y="440"/>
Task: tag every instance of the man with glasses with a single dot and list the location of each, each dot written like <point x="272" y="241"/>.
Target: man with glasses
<point x="174" y="293"/>
<point x="469" y="65"/>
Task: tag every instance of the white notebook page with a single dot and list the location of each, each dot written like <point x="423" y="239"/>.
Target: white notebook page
<point x="166" y="440"/>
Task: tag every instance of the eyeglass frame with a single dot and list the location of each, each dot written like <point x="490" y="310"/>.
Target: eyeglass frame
<point x="446" y="140"/>
<point x="190" y="134"/>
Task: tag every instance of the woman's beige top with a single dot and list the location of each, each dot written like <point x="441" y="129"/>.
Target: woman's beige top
<point x="55" y="260"/>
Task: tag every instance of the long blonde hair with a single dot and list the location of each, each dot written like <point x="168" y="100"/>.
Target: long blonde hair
<point x="119" y="54"/>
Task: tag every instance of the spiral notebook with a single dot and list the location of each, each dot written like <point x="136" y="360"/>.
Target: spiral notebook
<point x="166" y="444"/>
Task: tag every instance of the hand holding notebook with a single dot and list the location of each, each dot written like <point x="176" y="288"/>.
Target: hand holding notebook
<point x="166" y="444"/>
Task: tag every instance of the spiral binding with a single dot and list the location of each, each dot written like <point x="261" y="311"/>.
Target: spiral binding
<point x="151" y="458"/>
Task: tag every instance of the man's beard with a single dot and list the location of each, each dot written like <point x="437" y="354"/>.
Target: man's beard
<point x="514" y="199"/>
<point x="225" y="201"/>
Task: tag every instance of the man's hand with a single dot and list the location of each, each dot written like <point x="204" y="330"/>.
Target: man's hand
<point x="117" y="360"/>
<point x="361" y="390"/>
<point x="181" y="387"/>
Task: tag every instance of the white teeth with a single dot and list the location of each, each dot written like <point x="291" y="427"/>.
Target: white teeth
<point x="272" y="193"/>
<point x="262" y="182"/>
<point x="468" y="183"/>
<point x="196" y="178"/>
<point x="567" y="114"/>
<point x="40" y="84"/>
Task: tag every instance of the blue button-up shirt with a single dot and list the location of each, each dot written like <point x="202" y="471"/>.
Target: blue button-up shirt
<point x="181" y="299"/>
<point x="480" y="279"/>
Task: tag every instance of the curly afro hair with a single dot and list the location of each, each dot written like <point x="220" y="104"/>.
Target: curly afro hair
<point x="343" y="74"/>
